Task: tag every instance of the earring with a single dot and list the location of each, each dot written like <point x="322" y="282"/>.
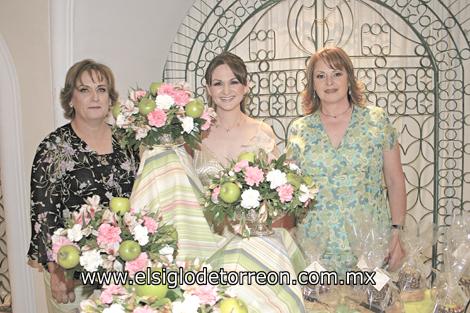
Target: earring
<point x="71" y="105"/>
<point x="314" y="96"/>
<point x="349" y="92"/>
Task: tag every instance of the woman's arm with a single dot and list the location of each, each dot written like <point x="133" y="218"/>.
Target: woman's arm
<point x="395" y="181"/>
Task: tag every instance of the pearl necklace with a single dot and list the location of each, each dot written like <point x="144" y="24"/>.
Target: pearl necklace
<point x="336" y="116"/>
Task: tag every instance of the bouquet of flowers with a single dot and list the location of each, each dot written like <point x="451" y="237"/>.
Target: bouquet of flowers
<point x="163" y="115"/>
<point x="112" y="239"/>
<point x="169" y="297"/>
<point x="254" y="190"/>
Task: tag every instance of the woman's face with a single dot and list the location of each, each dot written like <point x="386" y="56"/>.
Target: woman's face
<point x="331" y="85"/>
<point x="226" y="90"/>
<point x="90" y="98"/>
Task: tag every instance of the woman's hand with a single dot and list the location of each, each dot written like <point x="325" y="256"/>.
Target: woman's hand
<point x="396" y="252"/>
<point x="62" y="288"/>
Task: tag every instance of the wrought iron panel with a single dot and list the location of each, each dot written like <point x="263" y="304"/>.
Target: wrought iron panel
<point x="411" y="55"/>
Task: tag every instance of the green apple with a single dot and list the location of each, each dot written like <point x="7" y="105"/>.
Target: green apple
<point x="129" y="250"/>
<point x="116" y="109"/>
<point x="232" y="305"/>
<point x="120" y="205"/>
<point x="68" y="256"/>
<point x="248" y="156"/>
<point x="195" y="108"/>
<point x="146" y="106"/>
<point x="294" y="179"/>
<point x="308" y="180"/>
<point x="229" y="192"/>
<point x="158" y="291"/>
<point x="154" y="88"/>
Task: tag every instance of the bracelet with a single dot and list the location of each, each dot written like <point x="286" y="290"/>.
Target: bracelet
<point x="398" y="227"/>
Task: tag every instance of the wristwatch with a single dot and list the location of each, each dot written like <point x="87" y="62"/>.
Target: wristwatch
<point x="398" y="227"/>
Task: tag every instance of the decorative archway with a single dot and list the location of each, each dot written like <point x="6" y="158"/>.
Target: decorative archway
<point x="410" y="54"/>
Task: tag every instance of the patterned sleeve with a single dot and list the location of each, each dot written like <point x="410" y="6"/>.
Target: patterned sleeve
<point x="45" y="201"/>
<point x="390" y="133"/>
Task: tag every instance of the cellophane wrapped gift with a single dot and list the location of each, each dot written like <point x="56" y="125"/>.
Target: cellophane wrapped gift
<point x="314" y="245"/>
<point x="411" y="279"/>
<point x="370" y="245"/>
<point x="449" y="295"/>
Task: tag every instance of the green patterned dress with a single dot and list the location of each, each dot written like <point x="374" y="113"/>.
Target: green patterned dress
<point x="350" y="178"/>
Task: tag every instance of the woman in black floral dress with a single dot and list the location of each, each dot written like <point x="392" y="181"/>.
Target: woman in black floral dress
<point x="76" y="161"/>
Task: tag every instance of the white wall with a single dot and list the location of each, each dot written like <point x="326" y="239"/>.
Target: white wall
<point x="132" y="37"/>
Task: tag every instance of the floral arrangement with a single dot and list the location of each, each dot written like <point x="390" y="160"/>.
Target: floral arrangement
<point x="254" y="190"/>
<point x="159" y="298"/>
<point x="117" y="238"/>
<point x="165" y="114"/>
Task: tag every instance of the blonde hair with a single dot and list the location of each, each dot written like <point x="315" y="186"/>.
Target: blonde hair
<point x="336" y="58"/>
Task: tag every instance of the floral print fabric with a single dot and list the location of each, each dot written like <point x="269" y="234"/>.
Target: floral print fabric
<point x="350" y="179"/>
<point x="65" y="172"/>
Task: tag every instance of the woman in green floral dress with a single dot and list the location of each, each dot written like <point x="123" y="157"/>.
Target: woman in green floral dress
<point x="352" y="152"/>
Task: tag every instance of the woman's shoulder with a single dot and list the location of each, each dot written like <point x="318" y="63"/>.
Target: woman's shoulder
<point x="373" y="113"/>
<point x="262" y="126"/>
<point x="57" y="135"/>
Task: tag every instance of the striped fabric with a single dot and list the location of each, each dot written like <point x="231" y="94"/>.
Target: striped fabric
<point x="166" y="182"/>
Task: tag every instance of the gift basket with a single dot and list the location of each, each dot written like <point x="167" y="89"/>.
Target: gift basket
<point x="411" y="278"/>
<point x="314" y="245"/>
<point x="370" y="245"/>
<point x="449" y="296"/>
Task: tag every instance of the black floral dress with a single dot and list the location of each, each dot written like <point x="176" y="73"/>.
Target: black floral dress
<point x="65" y="172"/>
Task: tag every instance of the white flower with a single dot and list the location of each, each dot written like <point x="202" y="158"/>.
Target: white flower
<point x="187" y="123"/>
<point x="114" y="308"/>
<point x="141" y="132"/>
<point x="277" y="178"/>
<point x="190" y="304"/>
<point x="129" y="108"/>
<point x="122" y="121"/>
<point x="141" y="234"/>
<point x="250" y="199"/>
<point x="164" y="102"/>
<point x="231" y="173"/>
<point x="91" y="260"/>
<point x="93" y="201"/>
<point x="167" y="252"/>
<point x="306" y="193"/>
<point x="294" y="167"/>
<point x="75" y="233"/>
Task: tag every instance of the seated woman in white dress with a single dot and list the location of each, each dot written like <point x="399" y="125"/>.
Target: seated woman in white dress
<point x="167" y="182"/>
<point x="235" y="132"/>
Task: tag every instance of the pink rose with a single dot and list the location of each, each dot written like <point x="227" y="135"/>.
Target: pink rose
<point x="181" y="97"/>
<point x="157" y="118"/>
<point x="253" y="175"/>
<point x="108" y="292"/>
<point x="240" y="165"/>
<point x="208" y="120"/>
<point x="139" y="264"/>
<point x="108" y="235"/>
<point x="136" y="95"/>
<point x="166" y="89"/>
<point x="151" y="224"/>
<point x="206" y="293"/>
<point x="145" y="309"/>
<point x="215" y="194"/>
<point x="57" y="244"/>
<point x="285" y="192"/>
